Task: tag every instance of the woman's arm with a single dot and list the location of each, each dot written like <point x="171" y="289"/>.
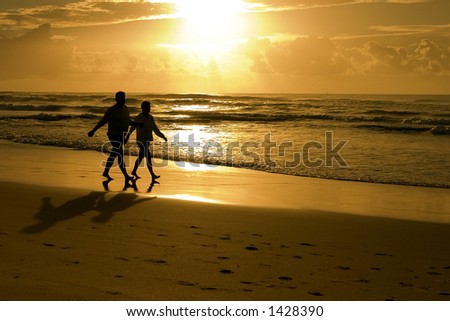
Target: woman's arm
<point x="157" y="131"/>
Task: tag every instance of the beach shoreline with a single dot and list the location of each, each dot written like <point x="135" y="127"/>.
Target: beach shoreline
<point x="213" y="234"/>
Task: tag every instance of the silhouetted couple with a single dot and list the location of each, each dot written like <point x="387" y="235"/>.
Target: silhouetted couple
<point x="118" y="119"/>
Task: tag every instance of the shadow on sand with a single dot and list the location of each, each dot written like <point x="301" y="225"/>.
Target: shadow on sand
<point x="49" y="215"/>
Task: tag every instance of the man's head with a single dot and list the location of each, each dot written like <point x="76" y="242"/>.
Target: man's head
<point x="120" y="97"/>
<point x="145" y="106"/>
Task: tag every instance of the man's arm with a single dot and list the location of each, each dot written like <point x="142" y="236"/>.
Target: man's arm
<point x="106" y="117"/>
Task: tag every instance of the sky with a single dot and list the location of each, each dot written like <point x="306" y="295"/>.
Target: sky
<point x="226" y="46"/>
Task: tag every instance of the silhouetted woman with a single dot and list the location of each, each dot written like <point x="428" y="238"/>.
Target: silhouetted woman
<point x="144" y="135"/>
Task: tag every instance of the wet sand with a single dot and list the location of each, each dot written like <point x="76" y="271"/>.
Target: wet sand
<point x="213" y="234"/>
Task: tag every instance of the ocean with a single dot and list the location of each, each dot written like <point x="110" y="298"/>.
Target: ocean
<point x="391" y="139"/>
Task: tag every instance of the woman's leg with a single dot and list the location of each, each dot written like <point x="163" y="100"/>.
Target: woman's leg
<point x="148" y="155"/>
<point x="141" y="156"/>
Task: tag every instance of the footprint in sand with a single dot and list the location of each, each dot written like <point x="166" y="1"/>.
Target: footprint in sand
<point x="315" y="293"/>
<point x="208" y="245"/>
<point x="223" y="258"/>
<point x="408" y="285"/>
<point x="382" y="254"/>
<point x="67" y="261"/>
<point x="186" y="283"/>
<point x="118" y="276"/>
<point x="113" y="292"/>
<point x="225" y="238"/>
<point x="122" y="258"/>
<point x="445" y="293"/>
<point x="48" y="244"/>
<point x="434" y="273"/>
<point x="155" y="261"/>
<point x="194" y="227"/>
<point x="306" y="244"/>
<point x="251" y="248"/>
<point x="344" y="268"/>
<point x="226" y="271"/>
<point x="208" y="289"/>
<point x="285" y="278"/>
<point x="246" y="282"/>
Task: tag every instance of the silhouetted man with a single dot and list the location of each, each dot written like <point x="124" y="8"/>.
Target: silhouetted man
<point x="118" y="119"/>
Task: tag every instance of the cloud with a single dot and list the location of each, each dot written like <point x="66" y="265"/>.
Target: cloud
<point x="430" y="58"/>
<point x="82" y="14"/>
<point x="34" y="54"/>
<point x="321" y="56"/>
<point x="10" y="4"/>
<point x="312" y="55"/>
<point x="443" y="30"/>
<point x="295" y="4"/>
<point x="422" y="58"/>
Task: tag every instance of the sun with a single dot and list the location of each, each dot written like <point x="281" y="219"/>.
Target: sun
<point x="216" y="23"/>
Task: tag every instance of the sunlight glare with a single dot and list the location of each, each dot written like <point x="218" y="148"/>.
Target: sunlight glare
<point x="211" y="22"/>
<point x="188" y="197"/>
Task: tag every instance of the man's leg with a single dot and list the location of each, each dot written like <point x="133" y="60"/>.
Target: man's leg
<point x="112" y="157"/>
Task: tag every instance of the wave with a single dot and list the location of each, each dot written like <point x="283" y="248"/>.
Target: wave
<point x="212" y="96"/>
<point x="50" y="117"/>
<point x="58" y="108"/>
<point x="87" y="145"/>
<point x="440" y="130"/>
<point x="49" y="97"/>
<point x="12" y="107"/>
<point x="208" y="116"/>
<point x="200" y="116"/>
<point x="408" y="129"/>
<point x="427" y="121"/>
<point x="393" y="112"/>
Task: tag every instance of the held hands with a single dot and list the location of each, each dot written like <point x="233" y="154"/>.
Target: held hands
<point x="91" y="133"/>
<point x="126" y="138"/>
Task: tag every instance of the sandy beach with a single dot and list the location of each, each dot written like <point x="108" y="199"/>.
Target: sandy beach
<point x="213" y="234"/>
